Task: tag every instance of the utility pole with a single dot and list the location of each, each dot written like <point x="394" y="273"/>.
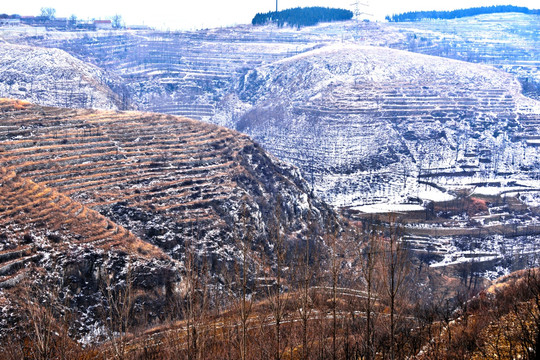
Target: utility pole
<point x="276" y="6"/>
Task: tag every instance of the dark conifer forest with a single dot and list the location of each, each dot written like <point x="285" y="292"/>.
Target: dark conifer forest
<point x="420" y="15"/>
<point x="299" y="17"/>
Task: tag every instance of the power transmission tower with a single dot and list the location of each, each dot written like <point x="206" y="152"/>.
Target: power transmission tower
<point x="357" y="12"/>
<point x="360" y="9"/>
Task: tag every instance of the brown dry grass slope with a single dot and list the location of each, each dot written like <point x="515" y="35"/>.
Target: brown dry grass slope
<point x="167" y="179"/>
<point x="37" y="220"/>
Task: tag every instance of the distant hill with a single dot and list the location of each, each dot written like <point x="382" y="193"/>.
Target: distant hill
<point x="299" y="17"/>
<point x="454" y="14"/>
<point x="52" y="77"/>
<point x="342" y="112"/>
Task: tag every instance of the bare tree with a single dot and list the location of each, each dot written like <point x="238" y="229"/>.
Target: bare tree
<point x="276" y="297"/>
<point x="369" y="253"/>
<point x="117" y="22"/>
<point x="240" y="284"/>
<point x="40" y="318"/>
<point x="43" y="329"/>
<point x="395" y="268"/>
<point x="304" y="278"/>
<point x="48" y="12"/>
<point x="335" y="268"/>
<point x="195" y="304"/>
<point x="528" y="315"/>
<point x="118" y="302"/>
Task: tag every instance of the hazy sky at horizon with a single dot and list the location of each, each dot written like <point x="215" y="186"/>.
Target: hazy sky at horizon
<point x="184" y="14"/>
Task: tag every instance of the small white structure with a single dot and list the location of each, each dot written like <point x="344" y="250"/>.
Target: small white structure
<point x="103" y="24"/>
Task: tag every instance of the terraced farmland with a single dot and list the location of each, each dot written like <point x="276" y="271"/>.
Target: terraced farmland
<point x="185" y="73"/>
<point x="166" y="179"/>
<point x="193" y="74"/>
<point x="509" y="41"/>
<point x="53" y="77"/>
<point x="189" y="73"/>
<point x="37" y="221"/>
<point x="369" y="125"/>
<point x="49" y="241"/>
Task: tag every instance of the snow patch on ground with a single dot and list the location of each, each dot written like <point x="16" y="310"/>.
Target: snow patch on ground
<point x="433" y="194"/>
<point x="52" y="77"/>
<point x="387" y="208"/>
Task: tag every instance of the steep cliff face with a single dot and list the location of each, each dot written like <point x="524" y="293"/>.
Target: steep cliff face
<point x="52" y="77"/>
<point x="365" y="124"/>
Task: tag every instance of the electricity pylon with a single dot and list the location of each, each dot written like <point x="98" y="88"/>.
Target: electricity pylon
<point x="358" y="12"/>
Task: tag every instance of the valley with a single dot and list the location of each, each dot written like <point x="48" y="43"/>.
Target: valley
<point x="366" y="125"/>
<point x="197" y="192"/>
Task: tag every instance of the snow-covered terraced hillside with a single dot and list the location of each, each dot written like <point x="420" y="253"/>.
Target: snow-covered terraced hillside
<point x="509" y="41"/>
<point x="188" y="73"/>
<point x="191" y="73"/>
<point x="184" y="73"/>
<point x="179" y="72"/>
<point x="53" y="77"/>
<point x="366" y="124"/>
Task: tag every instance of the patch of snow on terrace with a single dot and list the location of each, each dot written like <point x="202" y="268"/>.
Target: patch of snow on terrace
<point x="388" y="208"/>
